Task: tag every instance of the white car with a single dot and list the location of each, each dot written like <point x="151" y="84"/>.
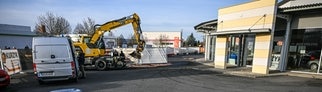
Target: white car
<point x="314" y="58"/>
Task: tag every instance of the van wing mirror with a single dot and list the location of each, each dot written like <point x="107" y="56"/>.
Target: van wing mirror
<point x="33" y="51"/>
<point x="52" y="56"/>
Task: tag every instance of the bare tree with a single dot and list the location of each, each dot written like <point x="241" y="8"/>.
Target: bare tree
<point x="87" y="27"/>
<point x="50" y="24"/>
<point x="120" y="40"/>
<point x="131" y="41"/>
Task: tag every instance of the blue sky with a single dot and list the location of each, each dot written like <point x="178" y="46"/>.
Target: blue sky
<point x="156" y="15"/>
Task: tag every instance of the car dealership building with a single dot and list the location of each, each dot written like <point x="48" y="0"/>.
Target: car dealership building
<point x="266" y="35"/>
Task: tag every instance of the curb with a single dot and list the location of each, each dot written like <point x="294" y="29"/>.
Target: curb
<point x="305" y="75"/>
<point x="254" y="75"/>
<point x="238" y="73"/>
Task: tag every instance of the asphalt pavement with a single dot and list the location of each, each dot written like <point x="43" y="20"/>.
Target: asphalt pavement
<point x="182" y="74"/>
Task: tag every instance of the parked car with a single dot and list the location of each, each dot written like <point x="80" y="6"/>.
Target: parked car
<point x="313" y="60"/>
<point x="54" y="59"/>
<point x="4" y="78"/>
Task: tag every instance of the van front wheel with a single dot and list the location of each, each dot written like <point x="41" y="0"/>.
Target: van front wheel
<point x="100" y="65"/>
<point x="74" y="80"/>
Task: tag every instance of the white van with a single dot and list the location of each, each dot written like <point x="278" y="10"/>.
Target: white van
<point x="54" y="59"/>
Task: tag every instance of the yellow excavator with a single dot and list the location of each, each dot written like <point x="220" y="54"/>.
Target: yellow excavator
<point x="101" y="58"/>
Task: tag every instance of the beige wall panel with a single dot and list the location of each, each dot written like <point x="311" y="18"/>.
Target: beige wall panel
<point x="247" y="16"/>
<point x="220" y="58"/>
<point x="221" y="39"/>
<point x="220" y="52"/>
<point x="247" y="22"/>
<point x="260" y="61"/>
<point x="262" y="45"/>
<point x="263" y="37"/>
<point x="220" y="45"/>
<point x="246" y="27"/>
<point x="220" y="65"/>
<point x="247" y="6"/>
<point x="260" y="53"/>
<point x="261" y="56"/>
<point x="248" y="13"/>
<point x="260" y="69"/>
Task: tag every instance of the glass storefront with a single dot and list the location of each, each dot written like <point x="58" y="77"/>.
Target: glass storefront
<point x="233" y="49"/>
<point x="211" y="47"/>
<point x="248" y="55"/>
<point x="305" y="50"/>
<point x="277" y="50"/>
<point x="240" y="49"/>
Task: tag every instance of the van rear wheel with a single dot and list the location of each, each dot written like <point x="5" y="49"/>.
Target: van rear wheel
<point x="74" y="79"/>
<point x="41" y="82"/>
<point x="100" y="65"/>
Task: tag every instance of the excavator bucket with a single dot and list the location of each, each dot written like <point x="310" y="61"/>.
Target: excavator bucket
<point x="136" y="54"/>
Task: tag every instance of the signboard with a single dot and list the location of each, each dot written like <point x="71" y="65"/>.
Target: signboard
<point x="176" y="42"/>
<point x="276" y="58"/>
<point x="10" y="61"/>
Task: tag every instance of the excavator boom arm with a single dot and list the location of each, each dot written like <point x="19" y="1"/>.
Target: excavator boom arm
<point x="108" y="26"/>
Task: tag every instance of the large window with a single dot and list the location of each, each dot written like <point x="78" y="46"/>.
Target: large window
<point x="277" y="49"/>
<point x="234" y="45"/>
<point x="240" y="49"/>
<point x="305" y="50"/>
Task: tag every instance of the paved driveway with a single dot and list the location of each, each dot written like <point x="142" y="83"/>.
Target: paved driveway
<point x="182" y="76"/>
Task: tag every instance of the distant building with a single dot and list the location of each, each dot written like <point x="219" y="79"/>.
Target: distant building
<point x="163" y="39"/>
<point x="15" y="36"/>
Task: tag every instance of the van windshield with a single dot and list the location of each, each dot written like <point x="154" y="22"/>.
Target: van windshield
<point x="45" y="52"/>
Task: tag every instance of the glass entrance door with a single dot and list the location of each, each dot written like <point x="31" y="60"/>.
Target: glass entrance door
<point x="234" y="49"/>
<point x="248" y="54"/>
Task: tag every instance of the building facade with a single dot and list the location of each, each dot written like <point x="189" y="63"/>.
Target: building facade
<point x="15" y="36"/>
<point x="163" y="39"/>
<point x="267" y="36"/>
<point x="207" y="28"/>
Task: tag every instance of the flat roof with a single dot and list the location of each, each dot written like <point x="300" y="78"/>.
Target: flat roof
<point x="16" y="30"/>
<point x="299" y="5"/>
<point x="207" y="26"/>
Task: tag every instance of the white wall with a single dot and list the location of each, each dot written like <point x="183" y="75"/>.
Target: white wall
<point x="152" y="37"/>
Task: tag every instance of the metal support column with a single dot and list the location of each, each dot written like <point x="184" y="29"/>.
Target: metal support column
<point x="285" y="47"/>
<point x="206" y="47"/>
<point x="213" y="44"/>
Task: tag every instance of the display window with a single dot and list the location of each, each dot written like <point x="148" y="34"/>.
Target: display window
<point x="305" y="50"/>
<point x="240" y="49"/>
<point x="278" y="42"/>
<point x="233" y="49"/>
